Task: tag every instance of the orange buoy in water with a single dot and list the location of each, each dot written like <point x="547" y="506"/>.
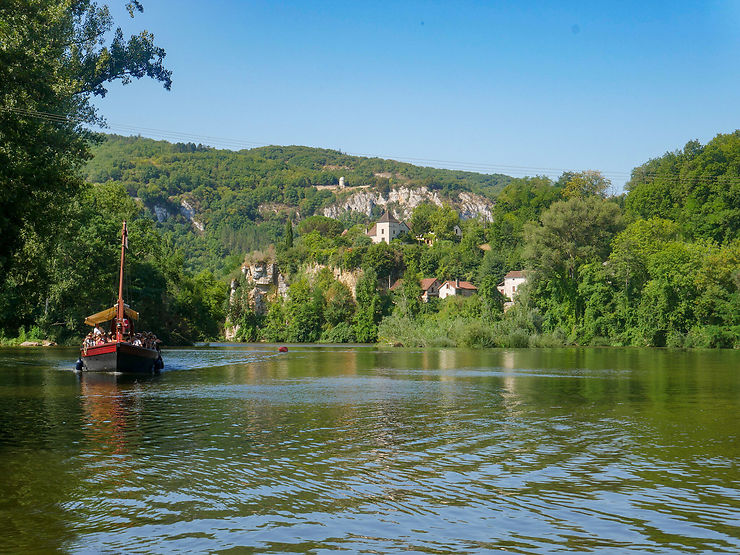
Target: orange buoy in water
<point x="283" y="349"/>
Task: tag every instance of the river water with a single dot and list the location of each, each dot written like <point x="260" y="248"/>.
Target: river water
<point x="379" y="450"/>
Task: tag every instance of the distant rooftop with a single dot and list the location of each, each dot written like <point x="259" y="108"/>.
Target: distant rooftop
<point x="515" y="274"/>
<point x="388" y="218"/>
<point x="426" y="283"/>
<point x="461" y="285"/>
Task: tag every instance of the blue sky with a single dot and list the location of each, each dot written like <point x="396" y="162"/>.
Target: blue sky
<point x="522" y="88"/>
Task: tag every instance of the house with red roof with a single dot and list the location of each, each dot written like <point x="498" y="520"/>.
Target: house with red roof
<point x="457" y="287"/>
<point x="429" y="287"/>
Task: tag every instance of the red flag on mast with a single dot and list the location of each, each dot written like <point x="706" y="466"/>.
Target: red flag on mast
<point x="125" y="235"/>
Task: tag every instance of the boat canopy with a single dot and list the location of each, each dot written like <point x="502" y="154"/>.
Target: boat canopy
<point x="109" y="314"/>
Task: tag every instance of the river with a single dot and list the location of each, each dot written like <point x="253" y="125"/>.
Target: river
<point x="379" y="450"/>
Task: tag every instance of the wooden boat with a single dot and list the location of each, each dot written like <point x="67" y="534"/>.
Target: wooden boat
<point x="120" y="353"/>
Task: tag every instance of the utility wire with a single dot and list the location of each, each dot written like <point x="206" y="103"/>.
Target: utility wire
<point x="450" y="164"/>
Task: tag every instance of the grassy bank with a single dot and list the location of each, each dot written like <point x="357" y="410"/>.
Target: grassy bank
<point x="34" y="334"/>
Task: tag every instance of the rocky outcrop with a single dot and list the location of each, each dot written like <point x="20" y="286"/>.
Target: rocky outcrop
<point x="161" y="213"/>
<point x="188" y="212"/>
<point x="260" y="282"/>
<point x="470" y="205"/>
<point x="349" y="278"/>
<point x="43" y="343"/>
<point x="264" y="279"/>
<point x="405" y="199"/>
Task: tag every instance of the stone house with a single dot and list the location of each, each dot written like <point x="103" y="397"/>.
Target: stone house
<point x="430" y="288"/>
<point x="386" y="229"/>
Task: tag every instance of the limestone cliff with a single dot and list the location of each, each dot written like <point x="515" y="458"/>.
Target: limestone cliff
<point x="403" y="200"/>
<point x="348" y="278"/>
<point x="260" y="282"/>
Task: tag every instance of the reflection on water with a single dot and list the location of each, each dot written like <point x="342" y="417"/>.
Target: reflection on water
<point x="363" y="449"/>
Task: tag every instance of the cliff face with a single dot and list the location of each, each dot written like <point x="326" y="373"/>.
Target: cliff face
<point x="187" y="210"/>
<point x="259" y="282"/>
<point x="403" y="200"/>
<point x="348" y="278"/>
<point x="262" y="282"/>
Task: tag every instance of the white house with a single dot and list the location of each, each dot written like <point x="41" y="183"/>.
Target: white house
<point x="509" y="288"/>
<point x="457" y="287"/>
<point x="386" y="229"/>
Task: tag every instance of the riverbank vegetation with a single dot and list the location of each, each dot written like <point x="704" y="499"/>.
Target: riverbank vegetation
<point x="59" y="236"/>
<point x="656" y="266"/>
<point x="632" y="269"/>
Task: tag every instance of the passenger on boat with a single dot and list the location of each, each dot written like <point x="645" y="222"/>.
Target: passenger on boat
<point x="151" y="341"/>
<point x="98" y="330"/>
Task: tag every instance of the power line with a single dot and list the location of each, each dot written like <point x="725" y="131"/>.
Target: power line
<point x="450" y="164"/>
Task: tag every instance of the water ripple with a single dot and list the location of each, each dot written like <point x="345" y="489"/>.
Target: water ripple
<point x="245" y="448"/>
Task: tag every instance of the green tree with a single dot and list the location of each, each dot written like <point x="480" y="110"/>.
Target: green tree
<point x="633" y="248"/>
<point x="305" y="312"/>
<point x="571" y="233"/>
<point x="443" y="222"/>
<point x="602" y="314"/>
<point x="276" y="322"/>
<point x="585" y="184"/>
<point x="697" y="187"/>
<point x="491" y="297"/>
<point x="384" y="259"/>
<point x="369" y="308"/>
<point x="340" y="306"/>
<point x="288" y="234"/>
<point x="53" y="59"/>
<point x="667" y="301"/>
<point x="327" y="227"/>
<point x="522" y="201"/>
<point x="408" y="297"/>
<point x="421" y="218"/>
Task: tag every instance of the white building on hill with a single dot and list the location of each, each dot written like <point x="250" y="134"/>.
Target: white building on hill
<point x="509" y="288"/>
<point x="386" y="229"/>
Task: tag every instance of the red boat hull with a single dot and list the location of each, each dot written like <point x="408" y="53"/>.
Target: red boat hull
<point x="119" y="357"/>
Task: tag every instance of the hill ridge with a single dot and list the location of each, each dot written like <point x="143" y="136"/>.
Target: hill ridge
<point x="218" y="203"/>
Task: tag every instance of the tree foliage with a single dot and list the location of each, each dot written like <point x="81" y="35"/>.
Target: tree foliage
<point x="57" y="281"/>
<point x="697" y="187"/>
<point x="585" y="184"/>
<point x="53" y="59"/>
<point x="60" y="237"/>
<point x="243" y="199"/>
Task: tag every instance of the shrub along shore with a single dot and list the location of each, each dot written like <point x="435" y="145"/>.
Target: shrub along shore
<point x="658" y="265"/>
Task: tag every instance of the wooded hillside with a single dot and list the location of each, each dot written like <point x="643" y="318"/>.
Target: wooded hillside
<point x="242" y="199"/>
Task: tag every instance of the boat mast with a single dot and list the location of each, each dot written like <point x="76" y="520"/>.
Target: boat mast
<point x="119" y="318"/>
